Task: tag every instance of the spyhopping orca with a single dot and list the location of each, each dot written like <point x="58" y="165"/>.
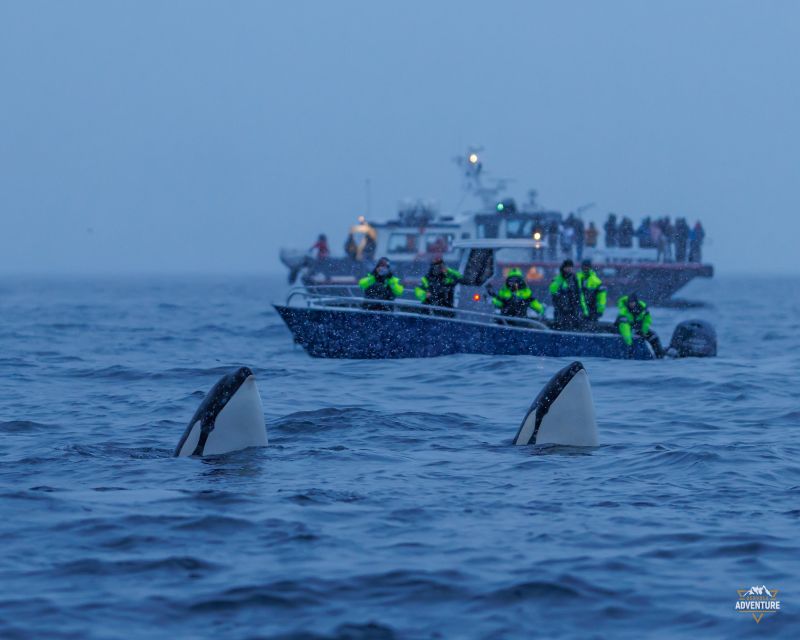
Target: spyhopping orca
<point x="562" y="413"/>
<point x="229" y="418"/>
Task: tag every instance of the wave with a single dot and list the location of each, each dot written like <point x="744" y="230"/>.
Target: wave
<point x="24" y="426"/>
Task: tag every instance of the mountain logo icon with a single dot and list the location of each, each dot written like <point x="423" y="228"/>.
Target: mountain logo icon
<point x="758" y="591"/>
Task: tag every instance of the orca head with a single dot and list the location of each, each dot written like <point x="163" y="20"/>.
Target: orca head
<point x="229" y="418"/>
<point x="562" y="413"/>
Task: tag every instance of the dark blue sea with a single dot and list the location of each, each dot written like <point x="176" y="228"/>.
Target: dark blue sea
<point x="389" y="503"/>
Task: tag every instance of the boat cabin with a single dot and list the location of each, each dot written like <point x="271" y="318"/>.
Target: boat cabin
<point x="417" y="234"/>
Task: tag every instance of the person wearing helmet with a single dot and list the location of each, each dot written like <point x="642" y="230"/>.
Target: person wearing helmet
<point x="592" y="292"/>
<point x="566" y="294"/>
<point x="515" y="297"/>
<point x="635" y="318"/>
<point x="381" y="284"/>
<point x="437" y="288"/>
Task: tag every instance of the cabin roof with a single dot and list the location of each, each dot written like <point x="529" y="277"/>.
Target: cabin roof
<point x="498" y="243"/>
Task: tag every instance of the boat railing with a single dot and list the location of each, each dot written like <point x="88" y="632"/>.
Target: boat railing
<point x="340" y="299"/>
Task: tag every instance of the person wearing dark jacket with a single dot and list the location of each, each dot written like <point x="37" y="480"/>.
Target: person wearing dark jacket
<point x="681" y="239"/>
<point x="437" y="288"/>
<point x="566" y="293"/>
<point x="696" y="236"/>
<point x="625" y="233"/>
<point x="643" y="234"/>
<point x="351" y="247"/>
<point x="381" y="284"/>
<point x="610" y="228"/>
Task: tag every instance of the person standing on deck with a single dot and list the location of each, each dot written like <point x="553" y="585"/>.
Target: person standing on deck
<point x="696" y="237"/>
<point x="591" y="236"/>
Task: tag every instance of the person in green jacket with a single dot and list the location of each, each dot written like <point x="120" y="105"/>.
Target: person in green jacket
<point x="635" y="318"/>
<point x="381" y="284"/>
<point x="515" y="297"/>
<point x="566" y="293"/>
<point x="593" y="294"/>
<point x="437" y="288"/>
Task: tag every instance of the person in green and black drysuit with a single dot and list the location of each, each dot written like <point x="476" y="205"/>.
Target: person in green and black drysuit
<point x="381" y="284"/>
<point x="593" y="294"/>
<point x="437" y="288"/>
<point x="634" y="318"/>
<point x="566" y="292"/>
<point x="515" y="297"/>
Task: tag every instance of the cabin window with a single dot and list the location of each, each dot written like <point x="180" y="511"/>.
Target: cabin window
<point x="519" y="228"/>
<point x="488" y="229"/>
<point x="403" y="243"/>
<point x="438" y="242"/>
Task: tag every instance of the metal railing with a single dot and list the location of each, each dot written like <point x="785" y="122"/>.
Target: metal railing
<point x="341" y="299"/>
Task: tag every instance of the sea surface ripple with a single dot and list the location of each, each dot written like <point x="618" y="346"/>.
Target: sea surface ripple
<point x="389" y="503"/>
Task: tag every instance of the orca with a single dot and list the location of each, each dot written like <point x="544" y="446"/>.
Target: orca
<point x="562" y="413"/>
<point x="229" y="418"/>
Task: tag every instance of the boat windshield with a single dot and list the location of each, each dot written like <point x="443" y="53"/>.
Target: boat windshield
<point x="514" y="255"/>
<point x="479" y="267"/>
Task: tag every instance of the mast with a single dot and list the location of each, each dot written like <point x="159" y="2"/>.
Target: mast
<point x="487" y="190"/>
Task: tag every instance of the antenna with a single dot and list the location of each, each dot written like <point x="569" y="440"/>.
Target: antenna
<point x="472" y="168"/>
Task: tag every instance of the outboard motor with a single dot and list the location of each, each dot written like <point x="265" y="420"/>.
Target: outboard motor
<point x="694" y="339"/>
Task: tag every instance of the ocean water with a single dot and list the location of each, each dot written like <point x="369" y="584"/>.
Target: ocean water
<point x="389" y="503"/>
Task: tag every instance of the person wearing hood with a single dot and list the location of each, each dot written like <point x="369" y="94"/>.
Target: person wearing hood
<point x="696" y="237"/>
<point x="566" y="293"/>
<point x="437" y="288"/>
<point x="611" y="230"/>
<point x="515" y="297"/>
<point x="593" y="294"/>
<point x="381" y="284"/>
<point x="634" y="318"/>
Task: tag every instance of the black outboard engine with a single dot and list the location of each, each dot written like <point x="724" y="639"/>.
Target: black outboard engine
<point x="694" y="339"/>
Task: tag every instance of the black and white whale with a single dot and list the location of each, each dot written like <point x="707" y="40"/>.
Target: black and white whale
<point x="562" y="413"/>
<point x="230" y="418"/>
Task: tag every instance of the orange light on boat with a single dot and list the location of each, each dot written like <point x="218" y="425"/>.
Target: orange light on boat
<point x="476" y="297"/>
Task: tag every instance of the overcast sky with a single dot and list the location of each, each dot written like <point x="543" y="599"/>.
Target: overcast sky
<point x="202" y="136"/>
